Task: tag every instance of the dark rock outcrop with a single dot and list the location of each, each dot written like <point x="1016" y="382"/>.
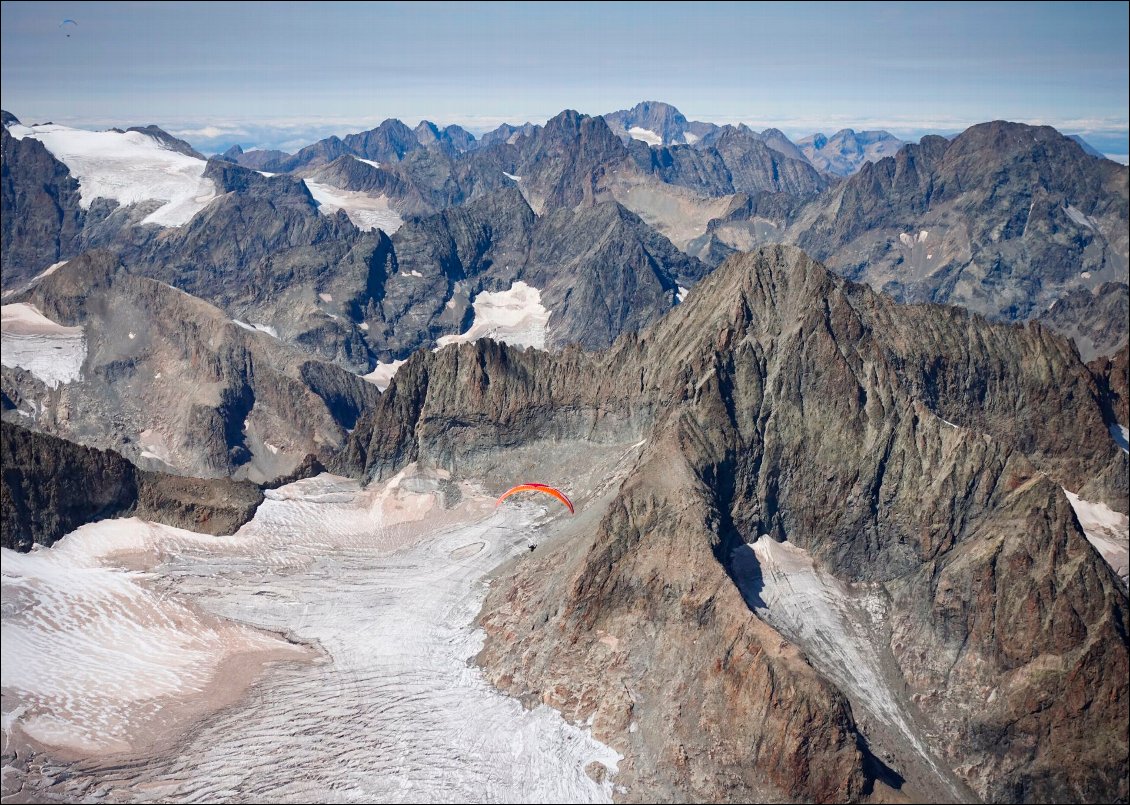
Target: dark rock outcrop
<point x="42" y="219"/>
<point x="52" y="486"/>
<point x="167" y="140"/>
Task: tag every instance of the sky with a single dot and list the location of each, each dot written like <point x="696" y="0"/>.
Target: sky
<point x="286" y="74"/>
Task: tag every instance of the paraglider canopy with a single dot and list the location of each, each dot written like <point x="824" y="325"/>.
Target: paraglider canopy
<point x="545" y="490"/>
<point x="64" y="25"/>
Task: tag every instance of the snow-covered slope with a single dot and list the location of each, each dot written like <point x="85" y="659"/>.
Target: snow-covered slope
<point x="515" y="316"/>
<point x="361" y="602"/>
<point x="128" y="167"/>
<point x="364" y="210"/>
<point x="48" y="350"/>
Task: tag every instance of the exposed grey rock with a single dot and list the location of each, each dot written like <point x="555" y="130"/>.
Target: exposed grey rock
<point x="661" y="119"/>
<point x="1015" y="217"/>
<point x="736" y="161"/>
<point x="389" y="142"/>
<point x="601" y="271"/>
<point x="1094" y="318"/>
<point x="452" y="139"/>
<point x="168" y="140"/>
<point x="505" y="133"/>
<point x="42" y="219"/>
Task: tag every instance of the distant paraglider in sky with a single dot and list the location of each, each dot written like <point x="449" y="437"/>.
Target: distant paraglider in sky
<point x="68" y="30"/>
<point x="545" y="490"/>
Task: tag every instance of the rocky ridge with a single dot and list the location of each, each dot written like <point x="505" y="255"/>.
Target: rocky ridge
<point x="781" y="400"/>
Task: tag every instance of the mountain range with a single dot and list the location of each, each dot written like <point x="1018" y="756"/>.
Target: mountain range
<point x="866" y="536"/>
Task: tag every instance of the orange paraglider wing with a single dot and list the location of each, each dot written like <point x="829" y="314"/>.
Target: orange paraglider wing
<point x="547" y="490"/>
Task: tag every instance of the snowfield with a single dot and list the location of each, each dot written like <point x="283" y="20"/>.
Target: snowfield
<point x="1107" y="530"/>
<point x="128" y="167"/>
<point x="383" y="374"/>
<point x="514" y="316"/>
<point x="835" y="627"/>
<point x="352" y="608"/>
<point x="365" y="211"/>
<point x="648" y="136"/>
<point x="645" y="135"/>
<point x="50" y="351"/>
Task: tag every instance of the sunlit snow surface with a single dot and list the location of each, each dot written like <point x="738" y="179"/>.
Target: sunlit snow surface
<point x="378" y="703"/>
<point x="1107" y="530"/>
<point x="648" y="136"/>
<point x="383" y="374"/>
<point x="514" y="316"/>
<point x="128" y="167"/>
<point x="365" y="211"/>
<point x="833" y="624"/>
<point x="257" y="328"/>
<point x="1121" y="436"/>
<point x="48" y="350"/>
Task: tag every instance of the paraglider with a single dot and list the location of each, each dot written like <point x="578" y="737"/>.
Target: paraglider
<point x="545" y="490"/>
<point x="64" y="25"/>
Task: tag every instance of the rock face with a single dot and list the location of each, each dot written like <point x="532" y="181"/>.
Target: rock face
<point x="847" y="151"/>
<point x="1095" y="319"/>
<point x="781" y="400"/>
<point x="1005" y="220"/>
<point x="1112" y="374"/>
<point x="736" y="161"/>
<point x="52" y="486"/>
<point x="174" y="383"/>
<point x="659" y="119"/>
<point x="42" y="220"/>
<point x="600" y="271"/>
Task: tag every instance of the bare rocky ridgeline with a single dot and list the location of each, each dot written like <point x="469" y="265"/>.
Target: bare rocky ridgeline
<point x="916" y="453"/>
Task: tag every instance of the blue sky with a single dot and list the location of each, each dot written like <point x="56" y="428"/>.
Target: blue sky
<point x="284" y="74"/>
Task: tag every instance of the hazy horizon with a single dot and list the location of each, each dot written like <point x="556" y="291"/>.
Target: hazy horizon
<point x="283" y="75"/>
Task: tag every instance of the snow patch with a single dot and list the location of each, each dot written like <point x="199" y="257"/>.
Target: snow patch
<point x="368" y="162"/>
<point x="1121" y="436"/>
<point x="129" y="167"/>
<point x="512" y="176"/>
<point x="690" y="139"/>
<point x="515" y="316"/>
<point x="833" y="624"/>
<point x="648" y="136"/>
<point x="1081" y="218"/>
<point x="257" y="328"/>
<point x="29" y="340"/>
<point x="1107" y="530"/>
<point x="51" y="269"/>
<point x="325" y="297"/>
<point x="681" y="294"/>
<point x="382" y="375"/>
<point x="365" y="211"/>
